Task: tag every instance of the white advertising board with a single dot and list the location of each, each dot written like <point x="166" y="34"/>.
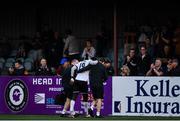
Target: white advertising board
<point x="146" y="96"/>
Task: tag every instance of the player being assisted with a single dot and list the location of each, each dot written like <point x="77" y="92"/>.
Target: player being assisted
<point x="80" y="84"/>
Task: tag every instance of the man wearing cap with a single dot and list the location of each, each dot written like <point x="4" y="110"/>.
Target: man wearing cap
<point x="66" y="76"/>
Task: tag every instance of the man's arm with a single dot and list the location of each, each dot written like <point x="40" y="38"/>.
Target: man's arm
<point x="84" y="69"/>
<point x="93" y="62"/>
<point x="105" y="75"/>
<point x="73" y="69"/>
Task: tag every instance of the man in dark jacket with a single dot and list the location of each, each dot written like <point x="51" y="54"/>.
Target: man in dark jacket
<point x="144" y="62"/>
<point x="43" y="69"/>
<point x="68" y="88"/>
<point x="18" y="69"/>
<point x="173" y="68"/>
<point x="97" y="76"/>
<point x="131" y="61"/>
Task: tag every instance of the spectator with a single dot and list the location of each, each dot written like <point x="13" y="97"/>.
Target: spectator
<point x="125" y="71"/>
<point x="21" y="50"/>
<point x="109" y="67"/>
<point x="173" y="68"/>
<point x="55" y="50"/>
<point x="89" y="51"/>
<point x="144" y="62"/>
<point x="158" y="47"/>
<point x="131" y="61"/>
<point x="71" y="47"/>
<point x="0" y="71"/>
<point x="60" y="69"/>
<point x="155" y="69"/>
<point x="18" y="69"/>
<point x="43" y="69"/>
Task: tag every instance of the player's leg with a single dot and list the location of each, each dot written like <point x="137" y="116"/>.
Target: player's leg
<point x="69" y="92"/>
<point x="99" y="97"/>
<point x="99" y="104"/>
<point x="93" y="104"/>
<point x="66" y="106"/>
<point x="72" y="103"/>
<point x="84" y="91"/>
<point x="74" y="97"/>
<point x="90" y="110"/>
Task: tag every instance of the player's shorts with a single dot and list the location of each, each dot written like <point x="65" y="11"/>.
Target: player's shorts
<point x="97" y="91"/>
<point x="80" y="87"/>
<point x="68" y="91"/>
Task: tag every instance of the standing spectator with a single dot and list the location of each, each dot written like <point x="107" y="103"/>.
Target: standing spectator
<point x="71" y="47"/>
<point x="55" y="50"/>
<point x="109" y="67"/>
<point x="89" y="51"/>
<point x="18" y="69"/>
<point x="144" y="61"/>
<point x="131" y="61"/>
<point x="173" y="68"/>
<point x="43" y="69"/>
<point x="155" y="69"/>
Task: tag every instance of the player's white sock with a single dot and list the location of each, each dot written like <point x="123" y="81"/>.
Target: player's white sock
<point x="72" y="107"/>
<point x="64" y="111"/>
<point x="92" y="107"/>
<point x="86" y="107"/>
<point x="97" y="113"/>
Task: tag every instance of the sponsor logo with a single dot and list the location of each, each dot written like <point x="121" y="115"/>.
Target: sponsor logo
<point x="117" y="106"/>
<point x="16" y="95"/>
<point x="39" y="98"/>
<point x="50" y="101"/>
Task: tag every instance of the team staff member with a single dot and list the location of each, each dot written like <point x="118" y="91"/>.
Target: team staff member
<point x="68" y="88"/>
<point x="97" y="76"/>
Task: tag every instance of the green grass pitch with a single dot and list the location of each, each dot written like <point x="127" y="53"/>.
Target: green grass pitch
<point x="57" y="117"/>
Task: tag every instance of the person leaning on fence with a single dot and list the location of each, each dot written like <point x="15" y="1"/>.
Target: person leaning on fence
<point x="125" y="71"/>
<point x="43" y="69"/>
<point x="173" y="68"/>
<point x="18" y="69"/>
<point x="155" y="69"/>
<point x="89" y="51"/>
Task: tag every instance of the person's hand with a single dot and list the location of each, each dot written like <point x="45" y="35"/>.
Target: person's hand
<point x="128" y="58"/>
<point x="71" y="81"/>
<point x="152" y="66"/>
<point x="169" y="66"/>
<point x="11" y="70"/>
<point x="86" y="50"/>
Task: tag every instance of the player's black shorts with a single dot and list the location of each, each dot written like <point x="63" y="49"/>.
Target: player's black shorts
<point x="97" y="91"/>
<point x="80" y="86"/>
<point x="68" y="91"/>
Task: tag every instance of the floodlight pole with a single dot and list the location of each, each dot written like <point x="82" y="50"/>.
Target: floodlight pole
<point x="115" y="39"/>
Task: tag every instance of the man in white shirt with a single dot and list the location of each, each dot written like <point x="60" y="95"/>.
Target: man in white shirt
<point x="80" y="82"/>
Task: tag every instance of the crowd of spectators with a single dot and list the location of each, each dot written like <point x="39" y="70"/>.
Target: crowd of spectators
<point x="152" y="53"/>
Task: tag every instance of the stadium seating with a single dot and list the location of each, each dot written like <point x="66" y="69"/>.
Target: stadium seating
<point x="28" y="66"/>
